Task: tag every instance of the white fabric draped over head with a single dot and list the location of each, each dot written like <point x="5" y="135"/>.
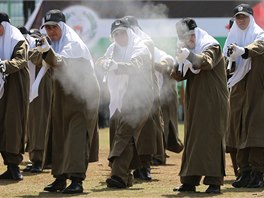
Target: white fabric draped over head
<point x="242" y="38"/>
<point x="70" y="44"/>
<point x="140" y="33"/>
<point x="133" y="49"/>
<point x="77" y="79"/>
<point x="203" y="42"/>
<point x="8" y="41"/>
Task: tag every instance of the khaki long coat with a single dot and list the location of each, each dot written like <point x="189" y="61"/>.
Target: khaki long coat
<point x="73" y="125"/>
<point x="15" y="101"/>
<point x="206" y="111"/>
<point x="252" y="134"/>
<point x="169" y="106"/>
<point x="132" y="106"/>
<point x="237" y="99"/>
<point x="39" y="108"/>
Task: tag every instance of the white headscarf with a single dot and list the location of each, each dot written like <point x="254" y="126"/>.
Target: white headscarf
<point x="70" y="44"/>
<point x="140" y="33"/>
<point x="75" y="79"/>
<point x="203" y="41"/>
<point x="242" y="38"/>
<point x="8" y="41"/>
<point x="134" y="48"/>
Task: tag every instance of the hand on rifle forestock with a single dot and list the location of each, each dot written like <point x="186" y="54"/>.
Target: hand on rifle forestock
<point x="42" y="44"/>
<point x="181" y="56"/>
<point x="234" y="51"/>
<point x="110" y="64"/>
<point x="3" y="70"/>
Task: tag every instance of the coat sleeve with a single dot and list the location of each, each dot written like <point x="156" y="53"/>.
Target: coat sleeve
<point x="176" y="76"/>
<point x="51" y="58"/>
<point x="18" y="60"/>
<point x="255" y="49"/>
<point x="208" y="59"/>
<point x="35" y="57"/>
<point x="137" y="64"/>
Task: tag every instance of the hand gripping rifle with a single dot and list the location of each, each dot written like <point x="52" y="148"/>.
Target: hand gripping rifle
<point x="231" y="64"/>
<point x="38" y="42"/>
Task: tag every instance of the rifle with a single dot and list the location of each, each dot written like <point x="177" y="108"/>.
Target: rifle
<point x="181" y="65"/>
<point x="108" y="65"/>
<point x="2" y="70"/>
<point x="40" y="41"/>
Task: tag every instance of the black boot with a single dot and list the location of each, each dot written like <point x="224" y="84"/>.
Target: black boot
<point x="57" y="185"/>
<point x="6" y="175"/>
<point x="185" y="188"/>
<point x="115" y="182"/>
<point x="213" y="189"/>
<point x="36" y="167"/>
<point x="12" y="173"/>
<point x="74" y="187"/>
<point x="242" y="180"/>
<point x="28" y="168"/>
<point x="256" y="180"/>
<point x="15" y="172"/>
<point x="136" y="173"/>
<point x="156" y="162"/>
<point x="145" y="174"/>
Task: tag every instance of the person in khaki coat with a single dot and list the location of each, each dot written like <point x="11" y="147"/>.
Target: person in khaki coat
<point x="75" y="104"/>
<point x="40" y="100"/>
<point x="129" y="79"/>
<point x="246" y="39"/>
<point x="152" y="132"/>
<point x="39" y="110"/>
<point x="236" y="99"/>
<point x="206" y="93"/>
<point x="14" y="97"/>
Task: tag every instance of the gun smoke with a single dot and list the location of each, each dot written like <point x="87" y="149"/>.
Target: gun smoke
<point x="75" y="78"/>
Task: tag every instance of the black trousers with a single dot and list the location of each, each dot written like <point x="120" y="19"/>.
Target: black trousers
<point x="251" y="158"/>
<point x="12" y="158"/>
